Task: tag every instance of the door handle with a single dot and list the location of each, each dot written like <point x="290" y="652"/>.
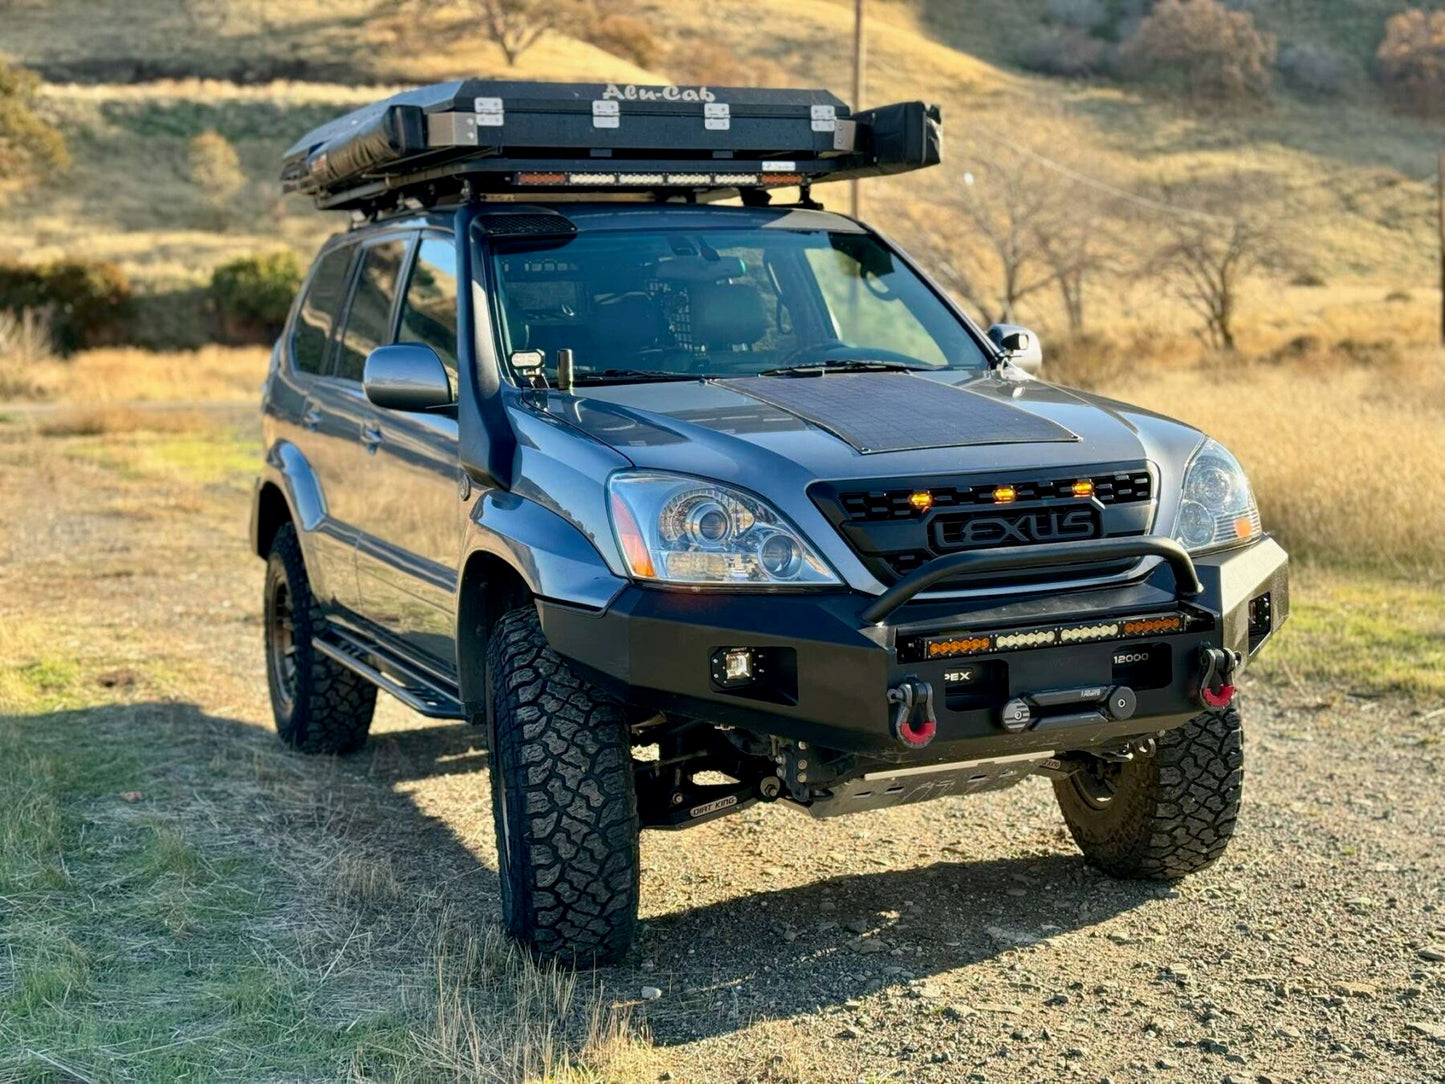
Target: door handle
<point x="311" y="417"/>
<point x="371" y="437"/>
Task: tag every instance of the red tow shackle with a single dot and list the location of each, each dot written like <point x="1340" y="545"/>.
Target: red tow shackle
<point x="914" y="723"/>
<point x="1216" y="676"/>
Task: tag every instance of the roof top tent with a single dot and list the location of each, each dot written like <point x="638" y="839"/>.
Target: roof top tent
<point x="481" y="137"/>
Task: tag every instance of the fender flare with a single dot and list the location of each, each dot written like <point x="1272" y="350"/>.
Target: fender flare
<point x="288" y="470"/>
<point x="551" y="555"/>
<point x="514" y="549"/>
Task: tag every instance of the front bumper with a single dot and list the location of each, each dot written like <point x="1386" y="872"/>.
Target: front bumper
<point x="824" y="672"/>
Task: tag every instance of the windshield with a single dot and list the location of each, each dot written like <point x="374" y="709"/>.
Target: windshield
<point x="661" y="304"/>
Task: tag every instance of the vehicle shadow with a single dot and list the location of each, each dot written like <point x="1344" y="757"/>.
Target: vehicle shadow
<point x="777" y="953"/>
<point x="722" y="965"/>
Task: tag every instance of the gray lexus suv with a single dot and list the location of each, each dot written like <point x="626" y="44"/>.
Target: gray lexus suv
<point x="689" y="506"/>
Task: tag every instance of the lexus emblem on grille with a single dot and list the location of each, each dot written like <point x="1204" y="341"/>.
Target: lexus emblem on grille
<point x="1020" y="528"/>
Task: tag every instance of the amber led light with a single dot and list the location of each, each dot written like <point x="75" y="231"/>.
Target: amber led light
<point x="1004" y="495"/>
<point x="922" y="500"/>
<point x="963" y="645"/>
<point x="1084" y="489"/>
<point x="1146" y="626"/>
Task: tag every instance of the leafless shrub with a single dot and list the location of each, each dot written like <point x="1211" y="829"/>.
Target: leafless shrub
<point x="1411" y="60"/>
<point x="1067" y="52"/>
<point x="1215" y="54"/>
<point x="25" y="342"/>
<point x="1317" y="70"/>
<point x="1091" y="362"/>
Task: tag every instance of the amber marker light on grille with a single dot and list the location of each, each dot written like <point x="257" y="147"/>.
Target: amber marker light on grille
<point x="921" y="500"/>
<point x="1004" y="495"/>
<point x="961" y="645"/>
<point x="1084" y="489"/>
<point x="1147" y="626"/>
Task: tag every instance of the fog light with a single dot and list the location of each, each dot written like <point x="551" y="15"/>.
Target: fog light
<point x="733" y="666"/>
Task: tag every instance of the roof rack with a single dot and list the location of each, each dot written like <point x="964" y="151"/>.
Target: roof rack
<point x="480" y="137"/>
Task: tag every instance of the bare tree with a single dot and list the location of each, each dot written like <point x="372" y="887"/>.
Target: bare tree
<point x="1207" y="258"/>
<point x="1027" y="229"/>
<point x="1076" y="246"/>
<point x="998" y="262"/>
<point x="515" y="25"/>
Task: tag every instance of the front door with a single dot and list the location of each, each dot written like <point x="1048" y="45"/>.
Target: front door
<point x="410" y="540"/>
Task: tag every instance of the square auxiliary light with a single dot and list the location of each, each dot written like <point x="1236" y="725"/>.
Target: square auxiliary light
<point x="734" y="666"/>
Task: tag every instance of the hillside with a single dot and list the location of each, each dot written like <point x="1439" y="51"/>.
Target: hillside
<point x="1347" y="183"/>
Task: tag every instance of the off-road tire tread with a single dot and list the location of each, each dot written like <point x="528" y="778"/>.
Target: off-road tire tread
<point x="334" y="705"/>
<point x="1174" y="813"/>
<point x="565" y="758"/>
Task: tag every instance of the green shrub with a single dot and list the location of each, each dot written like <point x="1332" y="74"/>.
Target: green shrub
<point x="253" y="294"/>
<point x="89" y="303"/>
<point x="29" y="145"/>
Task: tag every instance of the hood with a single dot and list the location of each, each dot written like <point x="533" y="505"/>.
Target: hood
<point x="884" y="425"/>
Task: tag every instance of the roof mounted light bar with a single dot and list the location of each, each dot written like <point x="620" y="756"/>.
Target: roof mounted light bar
<point x="488" y="137"/>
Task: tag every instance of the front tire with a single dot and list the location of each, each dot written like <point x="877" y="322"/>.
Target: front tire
<point x="319" y="705"/>
<point x="1163" y="817"/>
<point x="563" y="801"/>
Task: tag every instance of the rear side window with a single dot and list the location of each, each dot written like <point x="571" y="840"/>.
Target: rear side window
<point x="318" y="311"/>
<point x="368" y="321"/>
<point x="429" y="310"/>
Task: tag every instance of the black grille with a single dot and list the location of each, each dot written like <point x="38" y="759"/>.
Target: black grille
<point x="894" y="538"/>
<point x="871" y="506"/>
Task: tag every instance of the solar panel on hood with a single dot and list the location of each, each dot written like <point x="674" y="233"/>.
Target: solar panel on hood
<point x="896" y="412"/>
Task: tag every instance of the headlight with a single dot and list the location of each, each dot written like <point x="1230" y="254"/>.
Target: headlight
<point x="1217" y="506"/>
<point x="681" y="530"/>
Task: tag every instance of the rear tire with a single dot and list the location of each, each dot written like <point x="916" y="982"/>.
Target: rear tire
<point x="1166" y="816"/>
<point x="563" y="801"/>
<point x="320" y="706"/>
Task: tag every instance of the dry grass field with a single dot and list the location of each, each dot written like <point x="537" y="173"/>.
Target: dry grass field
<point x="180" y="897"/>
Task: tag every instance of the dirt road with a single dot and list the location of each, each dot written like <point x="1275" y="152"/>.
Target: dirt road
<point x="963" y="940"/>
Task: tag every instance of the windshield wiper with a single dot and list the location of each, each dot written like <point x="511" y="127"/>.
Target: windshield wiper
<point x="818" y="368"/>
<point x="629" y="376"/>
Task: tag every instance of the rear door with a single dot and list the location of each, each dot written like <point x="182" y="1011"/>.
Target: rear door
<point x="411" y="536"/>
<point x="309" y="421"/>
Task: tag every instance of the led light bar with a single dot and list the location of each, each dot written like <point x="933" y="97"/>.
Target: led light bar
<point x="552" y="179"/>
<point x="957" y="644"/>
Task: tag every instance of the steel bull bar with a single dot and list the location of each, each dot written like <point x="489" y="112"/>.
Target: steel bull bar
<point x="914" y="722"/>
<point x="1051" y="555"/>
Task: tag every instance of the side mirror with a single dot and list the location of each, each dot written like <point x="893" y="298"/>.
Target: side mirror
<point x="1019" y="345"/>
<point x="406" y="376"/>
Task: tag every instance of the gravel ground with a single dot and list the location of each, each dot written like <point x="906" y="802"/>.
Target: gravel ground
<point x="966" y="940"/>
<point x="959" y="940"/>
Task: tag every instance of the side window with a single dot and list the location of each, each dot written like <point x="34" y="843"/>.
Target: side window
<point x="318" y="312"/>
<point x="429" y="310"/>
<point x="368" y="318"/>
